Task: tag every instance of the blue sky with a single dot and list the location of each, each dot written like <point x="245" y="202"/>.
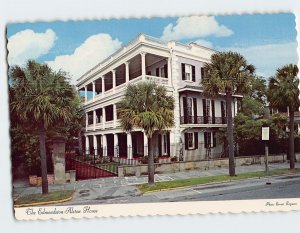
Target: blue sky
<point x="266" y="40"/>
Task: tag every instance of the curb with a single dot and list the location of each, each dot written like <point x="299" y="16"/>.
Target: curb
<point x="212" y="183"/>
<point x="45" y="202"/>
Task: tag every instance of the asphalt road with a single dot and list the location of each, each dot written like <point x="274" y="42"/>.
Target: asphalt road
<point x="280" y="187"/>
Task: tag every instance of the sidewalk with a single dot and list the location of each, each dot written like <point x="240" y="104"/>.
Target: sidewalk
<point x="115" y="187"/>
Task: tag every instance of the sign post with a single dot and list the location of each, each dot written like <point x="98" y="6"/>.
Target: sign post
<point x="265" y="132"/>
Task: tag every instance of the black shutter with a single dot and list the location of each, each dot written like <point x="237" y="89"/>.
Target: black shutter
<point x="202" y="73"/>
<point x="186" y="138"/>
<point x="195" y="110"/>
<point x="193" y="74"/>
<point x="204" y="111"/>
<point x="159" y="144"/>
<point x="205" y="140"/>
<point x="157" y="72"/>
<point x="214" y="139"/>
<point x="185" y="115"/>
<point x="166" y="70"/>
<point x="183" y="71"/>
<point x="213" y="111"/>
<point x="196" y="139"/>
<point x="223" y="112"/>
<point x="168" y="143"/>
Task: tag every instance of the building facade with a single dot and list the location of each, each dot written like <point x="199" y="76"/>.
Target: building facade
<point x="178" y="67"/>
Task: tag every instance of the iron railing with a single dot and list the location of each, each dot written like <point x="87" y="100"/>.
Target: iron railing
<point x="202" y="120"/>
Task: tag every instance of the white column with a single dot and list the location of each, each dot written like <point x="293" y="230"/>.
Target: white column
<point x="95" y="145"/>
<point x="129" y="146"/>
<point x="114" y="79"/>
<point x="85" y="93"/>
<point x="94" y="119"/>
<point x="116" y="145"/>
<point x="86" y="121"/>
<point x="235" y="107"/>
<point x="143" y="56"/>
<point x="127" y="71"/>
<point x="103" y="118"/>
<point x="104" y="145"/>
<point x="169" y="71"/>
<point x="103" y="85"/>
<point x="87" y="145"/>
<point x="115" y="114"/>
<point x="145" y="144"/>
<point x="94" y="89"/>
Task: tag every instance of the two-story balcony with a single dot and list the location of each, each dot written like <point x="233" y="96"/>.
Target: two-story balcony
<point x="203" y="120"/>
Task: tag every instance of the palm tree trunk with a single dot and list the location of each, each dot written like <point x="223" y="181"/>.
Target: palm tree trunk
<point x="291" y="149"/>
<point x="42" y="139"/>
<point x="230" y="134"/>
<point x="150" y="162"/>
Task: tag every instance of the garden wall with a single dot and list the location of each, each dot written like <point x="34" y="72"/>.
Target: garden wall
<point x="138" y="170"/>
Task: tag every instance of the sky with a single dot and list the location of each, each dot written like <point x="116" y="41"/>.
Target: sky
<point x="268" y="41"/>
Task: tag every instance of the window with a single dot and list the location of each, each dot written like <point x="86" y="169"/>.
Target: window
<point x="190" y="107"/>
<point x="162" y="72"/>
<point x="188" y="72"/>
<point x="207" y="140"/>
<point x="191" y="140"/>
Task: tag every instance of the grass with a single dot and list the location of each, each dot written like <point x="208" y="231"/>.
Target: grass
<point x="40" y="198"/>
<point x="144" y="188"/>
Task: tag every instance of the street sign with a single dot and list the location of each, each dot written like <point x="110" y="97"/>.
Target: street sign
<point x="265" y="133"/>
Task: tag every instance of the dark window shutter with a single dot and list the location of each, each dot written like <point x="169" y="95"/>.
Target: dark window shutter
<point x="183" y="71"/>
<point x="157" y="72"/>
<point x="214" y="139"/>
<point x="205" y="140"/>
<point x="168" y="143"/>
<point x="223" y="112"/>
<point x="213" y="111"/>
<point x="202" y="72"/>
<point x="186" y="141"/>
<point x="159" y="144"/>
<point x="185" y="115"/>
<point x="196" y="139"/>
<point x="166" y="70"/>
<point x="195" y="110"/>
<point x="204" y="111"/>
<point x="193" y="74"/>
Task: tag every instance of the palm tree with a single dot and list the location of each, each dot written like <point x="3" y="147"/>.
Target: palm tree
<point x="284" y="94"/>
<point x="42" y="99"/>
<point x="227" y="73"/>
<point x="147" y="105"/>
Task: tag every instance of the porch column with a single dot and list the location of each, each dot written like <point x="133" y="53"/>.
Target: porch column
<point x="143" y="56"/>
<point x="145" y="144"/>
<point x="103" y="117"/>
<point x="85" y="94"/>
<point x="103" y="85"/>
<point x="127" y="71"/>
<point x="169" y="71"/>
<point x="114" y="79"/>
<point x="87" y="145"/>
<point x="94" y="119"/>
<point x="104" y="145"/>
<point x="94" y="89"/>
<point x="235" y="107"/>
<point x="95" y="144"/>
<point x="86" y="120"/>
<point x="116" y="145"/>
<point x="115" y="115"/>
<point x="129" y="146"/>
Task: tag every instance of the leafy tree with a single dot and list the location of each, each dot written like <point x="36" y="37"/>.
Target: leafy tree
<point x="147" y="105"/>
<point x="42" y="99"/>
<point x="227" y="73"/>
<point x="284" y="94"/>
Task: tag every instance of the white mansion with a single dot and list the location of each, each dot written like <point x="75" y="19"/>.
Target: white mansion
<point x="177" y="66"/>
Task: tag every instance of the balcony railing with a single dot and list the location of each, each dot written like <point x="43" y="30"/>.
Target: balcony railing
<point x="202" y="120"/>
<point x="158" y="80"/>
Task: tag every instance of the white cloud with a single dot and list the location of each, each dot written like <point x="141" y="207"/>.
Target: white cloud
<point x="28" y="44"/>
<point x="193" y="27"/>
<point x="204" y="43"/>
<point x="90" y="53"/>
<point x="268" y="58"/>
